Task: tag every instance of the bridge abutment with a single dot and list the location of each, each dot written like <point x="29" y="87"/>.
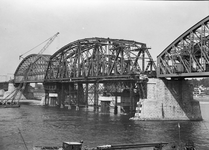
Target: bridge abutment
<point x="168" y="100"/>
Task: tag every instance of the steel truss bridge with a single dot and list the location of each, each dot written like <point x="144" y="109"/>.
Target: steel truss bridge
<point x="106" y="59"/>
<point x="117" y="64"/>
<point x="188" y="55"/>
<point x="92" y="59"/>
<point x="37" y="66"/>
<point x="83" y="64"/>
<point x="99" y="59"/>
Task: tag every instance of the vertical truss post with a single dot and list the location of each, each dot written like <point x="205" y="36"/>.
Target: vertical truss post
<point x="143" y="58"/>
<point x="79" y="57"/>
<point x="122" y="61"/>
<point x="97" y="61"/>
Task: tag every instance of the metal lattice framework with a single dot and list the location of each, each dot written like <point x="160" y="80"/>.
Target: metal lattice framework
<point x="37" y="64"/>
<point x="188" y="55"/>
<point x="99" y="59"/>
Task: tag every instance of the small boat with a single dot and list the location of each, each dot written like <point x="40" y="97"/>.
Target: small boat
<point x="78" y="146"/>
<point x="65" y="146"/>
<point x="9" y="105"/>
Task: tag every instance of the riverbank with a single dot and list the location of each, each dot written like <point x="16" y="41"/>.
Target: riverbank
<point x="30" y="102"/>
<point x="204" y="98"/>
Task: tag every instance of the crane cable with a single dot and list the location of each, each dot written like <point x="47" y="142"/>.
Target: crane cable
<point x="34" y="48"/>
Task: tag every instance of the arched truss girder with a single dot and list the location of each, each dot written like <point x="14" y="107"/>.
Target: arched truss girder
<point x="99" y="58"/>
<point x="188" y="55"/>
<point x="37" y="64"/>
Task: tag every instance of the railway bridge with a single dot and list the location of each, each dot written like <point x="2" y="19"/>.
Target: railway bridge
<point x="93" y="66"/>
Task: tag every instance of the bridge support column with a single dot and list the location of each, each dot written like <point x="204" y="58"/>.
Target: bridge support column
<point x="61" y="94"/>
<point x="80" y="94"/>
<point x="46" y="99"/>
<point x="116" y="100"/>
<point x="71" y="94"/>
<point x="86" y="96"/>
<point x="116" y="105"/>
<point x="28" y="92"/>
<point x="168" y="100"/>
<point x="132" y="106"/>
<point x="96" y="96"/>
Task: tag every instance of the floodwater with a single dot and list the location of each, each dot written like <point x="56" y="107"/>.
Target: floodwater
<point x="42" y="126"/>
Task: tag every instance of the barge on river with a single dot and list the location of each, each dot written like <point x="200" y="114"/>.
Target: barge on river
<point x="153" y="146"/>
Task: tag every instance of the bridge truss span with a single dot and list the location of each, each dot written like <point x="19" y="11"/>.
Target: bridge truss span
<point x="99" y="59"/>
<point x="188" y="55"/>
<point x="37" y="64"/>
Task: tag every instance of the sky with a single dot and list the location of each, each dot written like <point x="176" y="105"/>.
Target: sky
<point x="26" y="23"/>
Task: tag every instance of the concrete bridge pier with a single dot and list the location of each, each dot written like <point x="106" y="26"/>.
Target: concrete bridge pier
<point x="168" y="100"/>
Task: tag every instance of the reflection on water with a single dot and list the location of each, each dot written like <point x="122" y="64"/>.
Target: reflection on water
<point x="50" y="126"/>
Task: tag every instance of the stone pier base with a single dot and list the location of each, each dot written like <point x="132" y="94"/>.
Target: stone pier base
<point x="168" y="100"/>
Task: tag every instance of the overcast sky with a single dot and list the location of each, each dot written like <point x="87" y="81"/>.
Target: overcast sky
<point x="26" y="23"/>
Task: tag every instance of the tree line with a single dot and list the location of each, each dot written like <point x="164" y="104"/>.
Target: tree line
<point x="197" y="82"/>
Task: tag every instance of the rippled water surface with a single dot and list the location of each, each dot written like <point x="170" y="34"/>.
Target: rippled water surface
<point x="51" y="126"/>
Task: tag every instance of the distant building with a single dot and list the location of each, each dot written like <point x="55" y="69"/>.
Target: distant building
<point x="199" y="91"/>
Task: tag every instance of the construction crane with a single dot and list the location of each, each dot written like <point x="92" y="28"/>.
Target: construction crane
<point x="12" y="96"/>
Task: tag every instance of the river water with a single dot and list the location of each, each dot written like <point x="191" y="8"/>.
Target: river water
<point x="51" y="126"/>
